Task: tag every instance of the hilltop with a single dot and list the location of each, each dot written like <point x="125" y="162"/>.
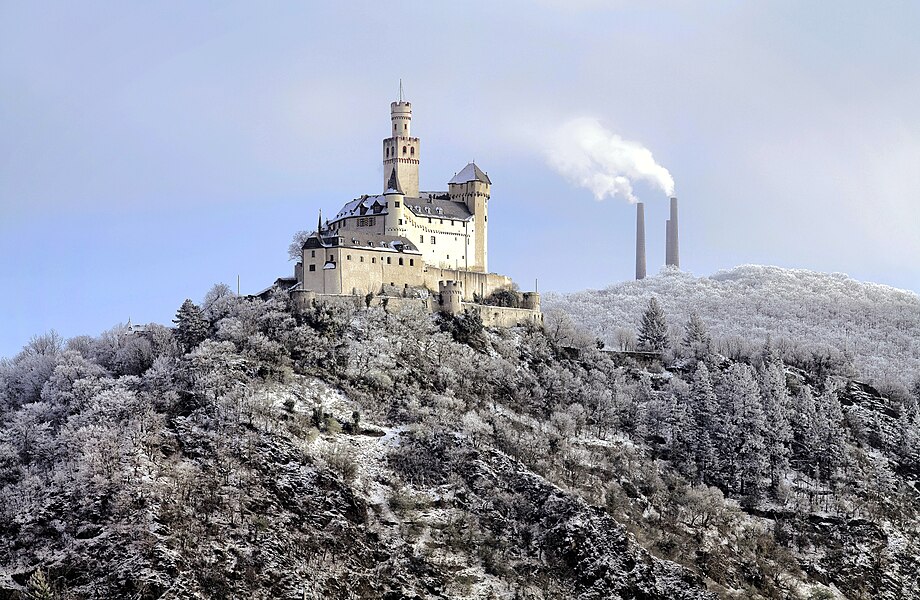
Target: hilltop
<point x="875" y="326"/>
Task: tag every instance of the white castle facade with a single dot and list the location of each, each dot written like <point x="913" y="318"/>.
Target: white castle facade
<point x="409" y="243"/>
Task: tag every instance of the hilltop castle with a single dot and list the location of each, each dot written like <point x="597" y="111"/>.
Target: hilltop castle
<point x="410" y="244"/>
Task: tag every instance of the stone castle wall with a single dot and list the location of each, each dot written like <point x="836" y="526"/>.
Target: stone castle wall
<point x="492" y="316"/>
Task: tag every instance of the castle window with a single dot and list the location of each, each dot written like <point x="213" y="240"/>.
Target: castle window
<point x="404" y="150"/>
<point x="411" y="262"/>
<point x="312" y="267"/>
<point x="388" y="260"/>
<point x="348" y="257"/>
<point x="396" y="204"/>
<point x="400" y="262"/>
<point x="373" y="260"/>
<point x="442" y="221"/>
<point x="388" y="152"/>
<point x="421" y="239"/>
<point x="432" y="239"/>
<point x="362" y="259"/>
<point x="412" y="150"/>
<point x="312" y="253"/>
<point x="400" y="221"/>
<point x="429" y="219"/>
<point x="405" y="126"/>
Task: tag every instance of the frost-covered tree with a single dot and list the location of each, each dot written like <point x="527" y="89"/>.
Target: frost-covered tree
<point x="683" y="439"/>
<point x="777" y="430"/>
<point x="38" y="587"/>
<point x="653" y="330"/>
<point x="191" y="326"/>
<point x="704" y="407"/>
<point x="295" y="248"/>
<point x="744" y="425"/>
<point x="218" y="302"/>
<point x="828" y="433"/>
<point x="697" y="341"/>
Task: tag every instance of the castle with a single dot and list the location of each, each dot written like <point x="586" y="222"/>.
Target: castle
<point x="408" y="244"/>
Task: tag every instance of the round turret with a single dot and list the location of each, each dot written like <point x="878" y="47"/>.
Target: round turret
<point x="531" y="301"/>
<point x="451" y="297"/>
<point x="401" y="117"/>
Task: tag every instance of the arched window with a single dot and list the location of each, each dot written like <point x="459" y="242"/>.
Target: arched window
<point x="404" y="150"/>
<point x="388" y="152"/>
<point x="412" y="150"/>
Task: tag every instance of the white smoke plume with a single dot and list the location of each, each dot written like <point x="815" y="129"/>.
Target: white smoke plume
<point x="590" y="156"/>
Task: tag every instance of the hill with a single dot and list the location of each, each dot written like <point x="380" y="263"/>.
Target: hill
<point x="876" y="327"/>
<point x="352" y="452"/>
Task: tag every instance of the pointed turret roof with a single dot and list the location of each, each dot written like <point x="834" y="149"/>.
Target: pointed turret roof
<point x="470" y="173"/>
<point x="319" y="229"/>
<point x="393" y="184"/>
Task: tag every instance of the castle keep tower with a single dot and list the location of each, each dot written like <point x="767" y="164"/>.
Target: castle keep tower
<point x="401" y="150"/>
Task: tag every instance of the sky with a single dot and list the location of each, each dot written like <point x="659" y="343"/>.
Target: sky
<point x="151" y="150"/>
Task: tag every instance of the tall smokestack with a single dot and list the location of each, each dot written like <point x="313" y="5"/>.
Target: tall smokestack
<point x="640" y="240"/>
<point x="674" y="237"/>
<point x="667" y="242"/>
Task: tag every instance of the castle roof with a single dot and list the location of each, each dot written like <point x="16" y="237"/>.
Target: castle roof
<point x="375" y="241"/>
<point x="366" y="241"/>
<point x="428" y="204"/>
<point x="470" y="173"/>
<point x="438" y="205"/>
<point x="375" y="204"/>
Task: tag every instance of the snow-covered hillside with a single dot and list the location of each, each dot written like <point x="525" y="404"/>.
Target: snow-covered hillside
<point x="877" y="325"/>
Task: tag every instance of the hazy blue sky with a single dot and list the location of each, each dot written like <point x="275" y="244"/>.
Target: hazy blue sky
<point x="149" y="150"/>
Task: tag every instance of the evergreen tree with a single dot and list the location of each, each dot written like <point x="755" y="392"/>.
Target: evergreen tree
<point x="653" y="331"/>
<point x="804" y="420"/>
<point x="745" y="425"/>
<point x="697" y="340"/>
<point x="704" y="408"/>
<point x="828" y="434"/>
<point x="778" y="431"/>
<point x="191" y="326"/>
<point x="683" y="438"/>
<point x="38" y="587"/>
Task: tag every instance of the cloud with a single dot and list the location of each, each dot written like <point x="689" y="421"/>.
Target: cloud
<point x="592" y="157"/>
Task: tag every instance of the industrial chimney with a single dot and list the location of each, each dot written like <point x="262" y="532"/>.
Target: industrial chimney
<point x="640" y="241"/>
<point x="672" y="243"/>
